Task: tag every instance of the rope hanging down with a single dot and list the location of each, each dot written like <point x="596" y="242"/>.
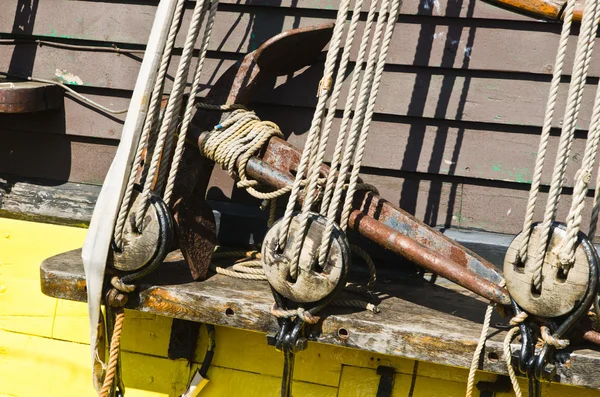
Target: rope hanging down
<point x="582" y="60"/>
<point x="344" y="171"/>
<point x="157" y="138"/>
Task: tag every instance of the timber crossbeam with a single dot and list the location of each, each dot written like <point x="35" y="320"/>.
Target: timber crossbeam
<point x="433" y="322"/>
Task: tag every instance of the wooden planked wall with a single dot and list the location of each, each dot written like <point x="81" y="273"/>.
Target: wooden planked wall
<point x="456" y="129"/>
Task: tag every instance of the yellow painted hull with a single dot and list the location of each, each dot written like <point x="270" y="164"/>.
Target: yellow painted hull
<point x="44" y="345"/>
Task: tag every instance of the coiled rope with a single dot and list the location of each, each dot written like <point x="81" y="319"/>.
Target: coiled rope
<point x="247" y="266"/>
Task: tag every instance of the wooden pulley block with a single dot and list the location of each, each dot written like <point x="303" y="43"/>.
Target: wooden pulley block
<point x="29" y="96"/>
<point x="139" y="247"/>
<point x="560" y="292"/>
<point x="314" y="282"/>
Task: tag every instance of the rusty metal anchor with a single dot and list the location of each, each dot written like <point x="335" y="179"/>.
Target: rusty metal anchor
<point x="281" y="55"/>
<point x="373" y="217"/>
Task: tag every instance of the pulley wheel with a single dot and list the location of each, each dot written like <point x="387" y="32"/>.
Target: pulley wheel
<point x="314" y="282"/>
<point x="139" y="247"/>
<point x="560" y="292"/>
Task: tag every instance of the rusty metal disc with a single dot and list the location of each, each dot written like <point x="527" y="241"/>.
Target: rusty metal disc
<point x="560" y="292"/>
<point x="29" y="96"/>
<point x="138" y="248"/>
<point x="316" y="283"/>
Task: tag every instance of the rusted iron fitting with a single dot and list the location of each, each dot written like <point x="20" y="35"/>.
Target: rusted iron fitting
<point x="116" y="298"/>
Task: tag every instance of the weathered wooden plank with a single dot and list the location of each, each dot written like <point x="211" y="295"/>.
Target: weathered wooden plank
<point x="76" y="119"/>
<point x="448" y="94"/>
<point x="454" y="45"/>
<point x="461" y="9"/>
<point x="67" y="203"/>
<point x="98" y="69"/>
<point x="502" y="210"/>
<point x="425" y="94"/>
<point x="434" y="323"/>
<point x="503" y="153"/>
<point x="55" y="157"/>
<point x="130" y="23"/>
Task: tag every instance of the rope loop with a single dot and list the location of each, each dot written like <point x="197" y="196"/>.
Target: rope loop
<point x="303" y="314"/>
<point x="548" y="338"/>
<point x="119" y="285"/>
<point x="234" y="141"/>
<point x="518" y="319"/>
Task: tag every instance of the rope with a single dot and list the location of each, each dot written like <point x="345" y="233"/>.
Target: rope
<point x="547" y="126"/>
<point x="113" y="359"/>
<point x="318" y="152"/>
<point x="336" y="158"/>
<point x="583" y="54"/>
<point x="510" y="335"/>
<point x="358" y="134"/>
<point x="306" y="316"/>
<point x="361" y="253"/>
<point x="149" y="124"/>
<point x="118" y="284"/>
<point x="249" y="267"/>
<point x="315" y="128"/>
<point x="187" y="118"/>
<point x="232" y="143"/>
<point x="583" y="177"/>
<point x="551" y="340"/>
<point x="479" y="349"/>
<point x="168" y="125"/>
<point x="154" y="110"/>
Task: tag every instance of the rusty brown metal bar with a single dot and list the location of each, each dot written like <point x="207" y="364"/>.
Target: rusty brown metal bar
<point x="405" y="246"/>
<point x="547" y="9"/>
<point x="389" y="226"/>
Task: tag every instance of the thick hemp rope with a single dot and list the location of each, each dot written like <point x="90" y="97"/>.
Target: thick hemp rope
<point x="113" y="358"/>
<point x="583" y="54"/>
<point x="356" y="140"/>
<point x="187" y="118"/>
<point x="169" y="122"/>
<point x="149" y="123"/>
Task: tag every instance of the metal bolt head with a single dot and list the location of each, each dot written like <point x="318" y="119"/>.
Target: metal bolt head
<point x="117" y="298"/>
<point x="301" y="344"/>
<point x="271" y="338"/>
<point x="549" y="371"/>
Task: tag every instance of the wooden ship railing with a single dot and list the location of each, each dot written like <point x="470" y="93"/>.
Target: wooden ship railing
<point x="420" y="321"/>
